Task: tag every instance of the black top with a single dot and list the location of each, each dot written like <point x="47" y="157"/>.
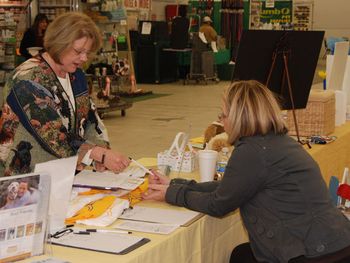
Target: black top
<point x="30" y="40"/>
<point x="284" y="202"/>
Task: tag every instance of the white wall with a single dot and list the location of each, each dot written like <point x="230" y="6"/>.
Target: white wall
<point x="333" y="16"/>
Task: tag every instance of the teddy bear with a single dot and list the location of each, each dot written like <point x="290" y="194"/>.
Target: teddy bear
<point x="215" y="137"/>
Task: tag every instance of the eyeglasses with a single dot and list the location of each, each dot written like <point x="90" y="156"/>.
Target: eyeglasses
<point x="81" y="52"/>
<point x="222" y="116"/>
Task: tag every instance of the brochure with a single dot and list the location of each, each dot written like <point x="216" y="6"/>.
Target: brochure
<point x="24" y="203"/>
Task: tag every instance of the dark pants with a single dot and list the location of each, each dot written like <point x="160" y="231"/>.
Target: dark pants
<point x="244" y="254"/>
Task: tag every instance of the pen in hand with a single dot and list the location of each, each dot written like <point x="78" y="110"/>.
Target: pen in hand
<point x="141" y="166"/>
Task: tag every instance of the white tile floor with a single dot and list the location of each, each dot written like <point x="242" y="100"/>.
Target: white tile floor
<point x="150" y="125"/>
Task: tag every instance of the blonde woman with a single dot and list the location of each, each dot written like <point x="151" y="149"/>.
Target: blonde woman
<point x="278" y="187"/>
<point x="50" y="114"/>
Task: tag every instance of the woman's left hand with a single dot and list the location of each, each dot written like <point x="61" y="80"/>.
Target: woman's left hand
<point x="155" y="192"/>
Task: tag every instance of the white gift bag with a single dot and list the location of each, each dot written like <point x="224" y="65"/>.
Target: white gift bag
<point x="178" y="157"/>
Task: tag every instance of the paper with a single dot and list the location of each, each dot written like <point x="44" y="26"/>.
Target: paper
<point x="50" y="260"/>
<point x="128" y="180"/>
<point x="158" y="215"/>
<point x="62" y="174"/>
<point x="146" y="28"/>
<point x="340" y="107"/>
<point x="336" y="66"/>
<point x="102" y="242"/>
<point x="153" y="228"/>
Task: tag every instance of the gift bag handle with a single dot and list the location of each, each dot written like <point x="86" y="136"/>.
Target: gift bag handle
<point x="184" y="141"/>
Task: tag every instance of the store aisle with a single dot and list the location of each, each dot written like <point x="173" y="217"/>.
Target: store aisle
<point x="151" y="125"/>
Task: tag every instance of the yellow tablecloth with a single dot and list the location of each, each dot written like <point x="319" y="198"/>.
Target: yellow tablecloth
<point x="208" y="239"/>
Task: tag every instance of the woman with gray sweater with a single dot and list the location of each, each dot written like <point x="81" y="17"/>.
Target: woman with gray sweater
<point x="278" y="187"/>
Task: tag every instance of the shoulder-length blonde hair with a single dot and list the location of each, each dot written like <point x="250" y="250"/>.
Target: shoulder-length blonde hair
<point x="66" y="29"/>
<point x="251" y="109"/>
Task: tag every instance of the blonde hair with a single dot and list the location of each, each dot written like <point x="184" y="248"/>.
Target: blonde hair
<point x="67" y="28"/>
<point x="251" y="109"/>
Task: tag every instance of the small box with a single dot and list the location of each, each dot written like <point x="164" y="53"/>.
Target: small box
<point x="318" y="118"/>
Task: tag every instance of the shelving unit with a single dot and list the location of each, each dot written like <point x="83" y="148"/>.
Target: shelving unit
<point x="53" y="8"/>
<point x="13" y="22"/>
<point x="112" y="21"/>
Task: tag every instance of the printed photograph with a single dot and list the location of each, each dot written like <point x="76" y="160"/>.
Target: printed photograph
<point x="11" y="233"/>
<point x="20" y="231"/>
<point x="29" y="229"/>
<point x="19" y="192"/>
<point x="2" y="234"/>
<point x="38" y="227"/>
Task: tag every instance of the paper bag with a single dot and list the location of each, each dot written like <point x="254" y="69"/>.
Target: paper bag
<point x="180" y="155"/>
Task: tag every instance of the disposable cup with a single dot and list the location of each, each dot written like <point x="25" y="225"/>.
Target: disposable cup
<point x="207" y="164"/>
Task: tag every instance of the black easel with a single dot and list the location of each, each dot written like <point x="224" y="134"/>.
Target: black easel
<point x="283" y="50"/>
<point x="269" y="56"/>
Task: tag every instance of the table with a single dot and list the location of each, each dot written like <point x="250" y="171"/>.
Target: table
<point x="208" y="239"/>
<point x="333" y="157"/>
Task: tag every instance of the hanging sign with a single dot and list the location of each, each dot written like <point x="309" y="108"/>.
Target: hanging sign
<point x="280" y="13"/>
<point x="270" y="3"/>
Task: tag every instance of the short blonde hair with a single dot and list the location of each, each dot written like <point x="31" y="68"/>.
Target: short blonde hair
<point x="251" y="109"/>
<point x="67" y="28"/>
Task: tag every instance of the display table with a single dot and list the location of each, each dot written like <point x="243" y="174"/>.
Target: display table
<point x="333" y="157"/>
<point x="208" y="239"/>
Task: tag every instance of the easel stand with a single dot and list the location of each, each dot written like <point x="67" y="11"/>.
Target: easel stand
<point x="285" y="52"/>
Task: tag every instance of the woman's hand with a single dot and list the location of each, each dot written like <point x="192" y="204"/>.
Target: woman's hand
<point x="155" y="192"/>
<point x="157" y="178"/>
<point x="112" y="161"/>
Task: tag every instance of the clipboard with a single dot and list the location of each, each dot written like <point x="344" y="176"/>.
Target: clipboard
<point x="111" y="243"/>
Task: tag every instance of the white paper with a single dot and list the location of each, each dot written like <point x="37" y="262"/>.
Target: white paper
<point x="128" y="180"/>
<point x="335" y="71"/>
<point x="146" y="28"/>
<point x="50" y="260"/>
<point x="62" y="174"/>
<point x="154" y="228"/>
<point x="213" y="46"/>
<point x="158" y="215"/>
<point x="340" y="107"/>
<point x="106" y="242"/>
<point x="346" y="82"/>
<point x="270" y="3"/>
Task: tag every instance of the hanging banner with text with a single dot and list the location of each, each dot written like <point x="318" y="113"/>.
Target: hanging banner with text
<point x="281" y="12"/>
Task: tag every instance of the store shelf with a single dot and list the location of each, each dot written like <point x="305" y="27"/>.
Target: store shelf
<point x="3" y="5"/>
<point x="54" y="6"/>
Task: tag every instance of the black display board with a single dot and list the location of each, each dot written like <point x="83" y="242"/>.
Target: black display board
<point x="255" y="55"/>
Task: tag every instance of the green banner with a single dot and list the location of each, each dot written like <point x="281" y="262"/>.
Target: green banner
<point x="281" y="13"/>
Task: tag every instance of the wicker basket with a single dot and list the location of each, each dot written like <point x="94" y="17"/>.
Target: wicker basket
<point x="319" y="116"/>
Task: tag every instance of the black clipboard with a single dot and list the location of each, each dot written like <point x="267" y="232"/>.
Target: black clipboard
<point x="75" y="241"/>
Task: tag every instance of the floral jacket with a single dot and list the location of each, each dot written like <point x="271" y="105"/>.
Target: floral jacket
<point x="37" y="122"/>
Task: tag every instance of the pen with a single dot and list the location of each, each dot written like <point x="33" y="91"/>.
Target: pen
<point x="141" y="166"/>
<point x="108" y="231"/>
<point x="82" y="233"/>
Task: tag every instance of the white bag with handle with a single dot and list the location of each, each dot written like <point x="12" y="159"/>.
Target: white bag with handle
<point x="180" y="155"/>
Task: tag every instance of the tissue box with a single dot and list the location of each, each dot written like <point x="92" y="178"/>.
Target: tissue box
<point x="318" y="118"/>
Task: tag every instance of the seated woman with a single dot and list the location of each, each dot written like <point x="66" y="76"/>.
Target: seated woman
<point x="34" y="36"/>
<point x="48" y="113"/>
<point x="278" y="187"/>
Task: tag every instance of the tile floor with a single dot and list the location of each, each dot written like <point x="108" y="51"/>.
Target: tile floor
<point x="151" y="125"/>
